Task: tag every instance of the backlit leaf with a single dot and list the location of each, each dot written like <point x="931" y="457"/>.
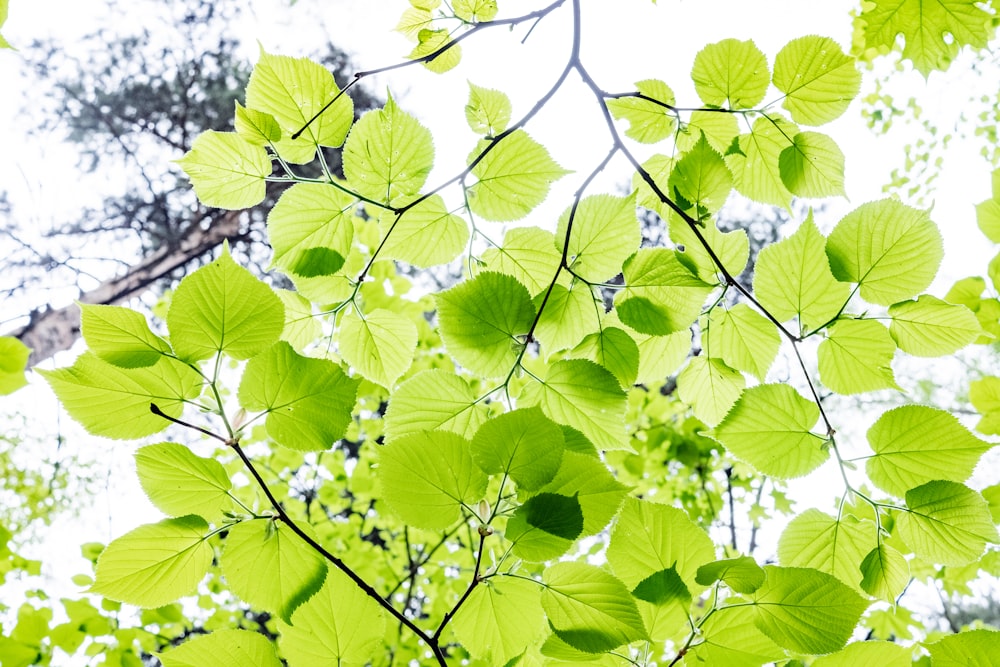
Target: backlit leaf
<point x="972" y="648"/>
<point x="487" y="111"/>
<point x="856" y="357"/>
<point x="661" y="294"/>
<point x="604" y="234"/>
<point x="648" y="121"/>
<point x="425" y="235"/>
<point x="731" y="72"/>
<point x="710" y="387"/>
<point x="731" y="638"/>
<point x="732" y="248"/>
<point x="743" y="338"/>
<point x="742" y="574"/>
<point x="756" y="167"/>
<point x="883" y="654"/>
<point x="885" y="573"/>
<point x="818" y="79"/>
<point x="500" y="619"/>
<point x="819" y="541"/>
<point x="613" y="349"/>
<point x="434" y="399"/>
<point x="523" y="444"/>
<point x="587" y="479"/>
<point x="947" y="523"/>
<point x="178" y="482"/>
<point x="311" y="229"/>
<point x="442" y="52"/>
<point x="702" y="179"/>
<point x="568" y="317"/>
<point x="223" y="648"/>
<point x="475" y="10"/>
<point x="930" y="327"/>
<point x="528" y="254"/>
<point x="813" y="166"/>
<point x="120" y="336"/>
<point x="226" y="170"/>
<point x="545" y="526"/>
<point x="13" y="360"/>
<point x="379" y="345"/>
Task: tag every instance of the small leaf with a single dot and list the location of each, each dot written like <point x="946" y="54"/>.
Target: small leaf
<point x="180" y="483"/>
<point x="742" y="574"/>
<point x="310" y="217"/>
<point x="380" y="345"/>
<point x="701" y="178"/>
<point x="755" y="163"/>
<point x="648" y="121"/>
<point x="817" y="540"/>
<point x="257" y="127"/>
<point x="661" y="294"/>
<point x="662" y="588"/>
<point x="121" y="336"/>
<point x="710" y="387"/>
<point x="884" y="573"/>
<point x="731" y="71"/>
<point x="226" y="170"/>
<point x="475" y="10"/>
<point x="743" y="338"/>
<point x="223" y="648"/>
<point x="818" y="79"/>
<point x="13" y="360"/>
<point x="947" y="523"/>
<point x="528" y="254"/>
<point x="857" y="357"/>
<point x="424" y="235"/>
<point x="437" y="43"/>
<point x="930" y="327"/>
<point x="487" y="111"/>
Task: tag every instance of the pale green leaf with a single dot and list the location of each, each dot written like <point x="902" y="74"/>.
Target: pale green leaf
<point x="484" y="320"/>
<point x="413" y="20"/>
<point x="587" y="479"/>
<point x="488" y="110"/>
<point x="178" y="482"/>
<point x="500" y="619"/>
<point x="613" y="349"/>
<point x="270" y="567"/>
<point x="379" y="345"/>
<point x="817" y="540"/>
<point x="648" y="121"/>
<point x="857" y="357"/>
<point x="930" y="327"/>
<point x="523" y="444"/>
<point x="308" y="401"/>
<point x="710" y="387"/>
<point x="947" y="523"/>
<point x="223" y="648"/>
<point x="590" y="609"/>
<point x="226" y="170"/>
<point x="434" y="399"/>
<point x="545" y="526"/>
<point x="884" y="573"/>
<point x="756" y="166"/>
<point x="769" y="428"/>
<point x="569" y="315"/>
<point x="891" y="249"/>
<point x="793" y="278"/>
<point x="661" y="294"/>
<point x="530" y="255"/>
<point x="311" y="229"/>
<point x="914" y="444"/>
<point x="718" y="128"/>
<point x="475" y="10"/>
<point x="339" y="625"/>
<point x="424" y="235"/>
<point x="581" y="394"/>
<point x="661" y="356"/>
<point x="115" y="402"/>
<point x="988" y="218"/>
<point x="120" y="336"/>
<point x="984" y="394"/>
<point x="605" y="232"/>
<point x="992" y="496"/>
<point x="13" y="360"/>
<point x="155" y="564"/>
<point x="972" y="648"/>
<point x="657" y="169"/>
<point x="731" y="638"/>
<point x="743" y="338"/>
<point x="732" y="248"/>
<point x="883" y="654"/>
<point x="513" y="177"/>
<point x="302" y="327"/>
<point x="222" y="307"/>
<point x="701" y="181"/>
<point x="426" y="478"/>
<point x="732" y="72"/>
<point x="441" y="51"/>
<point x="813" y="166"/>
<point x="257" y="127"/>
<point x="818" y="79"/>
<point x="806" y="610"/>
<point x="742" y="574"/>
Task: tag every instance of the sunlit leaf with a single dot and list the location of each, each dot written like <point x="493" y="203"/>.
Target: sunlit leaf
<point x="930" y="327"/>
<point x="884" y="573"/>
<point x="13" y="360"/>
<point x="605" y="232"/>
<point x="947" y="523"/>
<point x="883" y="654"/>
<point x="813" y="166"/>
<point x="710" y="387"/>
<point x="743" y="338"/>
<point x="972" y="648"/>
<point x="523" y="444"/>
<point x="500" y="619"/>
<point x="649" y="122"/>
<point x="179" y="483"/>
<point x="817" y="540"/>
<point x="120" y="336"/>
<point x="425" y="235"/>
<point x="311" y="229"/>
<point x="530" y="255"/>
<point x="545" y="526"/>
<point x="731" y="72"/>
<point x="379" y="345"/>
<point x="756" y="166"/>
<point x="223" y="648"/>
<point x="731" y="638"/>
<point x="818" y="79"/>
<point x="742" y="574"/>
<point x="661" y="294"/>
<point x="434" y="399"/>
<point x="487" y="111"/>
<point x="856" y="357"/>
<point x="226" y="170"/>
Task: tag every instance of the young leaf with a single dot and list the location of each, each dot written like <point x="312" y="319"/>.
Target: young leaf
<point x="589" y="609"/>
<point x="663" y="588"/>
<point x="661" y="356"/>
<point x="730" y="637"/>
<point x="487" y="111"/>
<point x="613" y="349"/>
<point x="930" y="327"/>
<point x="308" y="401"/>
<point x="257" y="127"/>
<point x="891" y="249"/>
<point x="545" y="526"/>
<point x="270" y="567"/>
<point x="388" y="155"/>
<point x="813" y="166"/>
<point x="947" y="523"/>
<point x="514" y="177"/>
<point x="523" y="444"/>
<point x="155" y="564"/>
<point x="223" y="648"/>
<point x="120" y="336"/>
<point x="883" y="654"/>
<point x="425" y="235"/>
<point x="914" y="444"/>
<point x="732" y="248"/>
<point x="483" y="321"/>
<point x="500" y="619"/>
<point x="529" y="254"/>
<point x="756" y="166"/>
<point x="857" y="357"/>
<point x="444" y="53"/>
<point x="226" y="170"/>
<point x="719" y="129"/>
<point x="743" y="338"/>
<point x="221" y="307"/>
<point x="114" y="402"/>
<point x="972" y="648"/>
<point x="568" y="318"/>
<point x="13" y="360"/>
<point x="587" y="479"/>
<point x="732" y="72"/>
<point x="702" y="179"/>
<point x="806" y="610"/>
<point x="180" y="483"/>
<point x="427" y="477"/>
<point x="742" y="574"/>
<point x="661" y="294"/>
<point x="431" y="400"/>
<point x="817" y="540"/>
<point x="710" y="387"/>
<point x="604" y="234"/>
<point x="884" y="573"/>
<point x="648" y="121"/>
<point x="379" y="345"/>
<point x="311" y="229"/>
<point x="302" y="327"/>
<point x="769" y="428"/>
<point x="984" y="394"/>
<point x="475" y="10"/>
<point x="818" y="79"/>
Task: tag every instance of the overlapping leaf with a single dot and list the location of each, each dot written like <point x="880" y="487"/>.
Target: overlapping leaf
<point x="743" y="338"/>
<point x="487" y="111"/>
<point x="311" y="229"/>
<point x="434" y="399"/>
<point x="379" y="345"/>
<point x="605" y="233"/>
<point x="500" y="619"/>
<point x="226" y="170"/>
<point x="710" y="387"/>
<point x="947" y="523"/>
<point x="120" y="336"/>
<point x="425" y="235"/>
<point x="856" y="357"/>
<point x="523" y="444"/>
<point x="223" y="648"/>
<point x="930" y="327"/>
<point x="818" y="79"/>
<point x="819" y="541"/>
<point x="649" y="122"/>
<point x="661" y="294"/>
<point x="179" y="483"/>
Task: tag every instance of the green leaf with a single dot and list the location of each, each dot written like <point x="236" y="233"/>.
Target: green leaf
<point x="388" y="155"/>
<point x="730" y="637"/>
<point x="155" y="564"/>
<point x="769" y="428"/>
<point x="308" y="401"/>
<point x="818" y="79"/>
<point x="648" y="121"/>
<point x="742" y="574"/>
<point x="947" y="523"/>
<point x="413" y="20"/>
<point x="930" y="327"/>
<point x="891" y="249"/>
<point x="293" y="90"/>
<point x="661" y="356"/>
<point x="710" y="387"/>
<point x="4" y="44"/>
<point x="226" y="170"/>
<point x="988" y="218"/>
<point x="702" y="179"/>
<point x="806" y="610"/>
<point x="605" y="233"/>
<point x="914" y="444"/>
<point x="221" y="307"/>
<point x="972" y="648"/>
<point x="661" y="294"/>
<point x="180" y="483"/>
<point x="663" y="588"/>
<point x="339" y="625"/>
<point x="523" y="444"/>
<point x="649" y="537"/>
<point x="500" y="619"/>
<point x="475" y="10"/>
<point x="427" y="477"/>
<point x="590" y="609"/>
<point x="270" y="567"/>
<point x="857" y="357"/>
<point x="732" y="72"/>
<point x="924" y="25"/>
<point x="817" y="540"/>
<point x="379" y="345"/>
<point x="115" y="402"/>
<point x="13" y="360"/>
<point x="884" y="573"/>
<point x="487" y="111"/>
<point x="483" y="322"/>
<point x="568" y="317"/>
<point x="514" y="177"/>
<point x="257" y="127"/>
<point x="545" y="526"/>
<point x="302" y="327"/>
<point x="310" y="223"/>
<point x="587" y="479"/>
<point x="439" y="42"/>
<point x="718" y="128"/>
<point x="984" y="394"/>
<point x="223" y="648"/>
<point x="121" y="336"/>
<point x="528" y="254"/>
<point x="431" y="400"/>
<point x="793" y="278"/>
<point x="733" y="248"/>
<point x="743" y="338"/>
<point x="581" y="394"/>
<point x="613" y="349"/>
<point x="813" y="166"/>
<point x="756" y="167"/>
<point x="424" y="235"/>
<point x="868" y="652"/>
